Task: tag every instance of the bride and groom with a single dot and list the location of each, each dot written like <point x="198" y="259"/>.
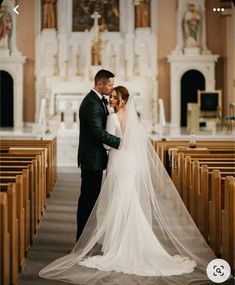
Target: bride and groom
<point x="136" y="229"/>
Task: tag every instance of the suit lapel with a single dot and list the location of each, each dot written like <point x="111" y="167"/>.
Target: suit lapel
<point x="95" y="96"/>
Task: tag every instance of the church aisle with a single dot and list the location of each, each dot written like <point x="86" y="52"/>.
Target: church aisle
<point x="56" y="235"/>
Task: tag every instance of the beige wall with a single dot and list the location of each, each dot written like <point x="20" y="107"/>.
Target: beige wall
<point x="216" y="43"/>
<point x="166" y="34"/>
<point x="26" y="44"/>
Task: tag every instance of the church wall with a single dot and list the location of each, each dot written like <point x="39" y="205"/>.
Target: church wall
<point x="216" y="43"/>
<point x="166" y="35"/>
<point x="26" y="44"/>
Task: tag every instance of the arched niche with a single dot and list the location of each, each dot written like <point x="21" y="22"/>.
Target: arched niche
<point x="6" y="99"/>
<point x="191" y="81"/>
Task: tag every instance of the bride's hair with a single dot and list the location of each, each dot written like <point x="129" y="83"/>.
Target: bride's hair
<point x="122" y="92"/>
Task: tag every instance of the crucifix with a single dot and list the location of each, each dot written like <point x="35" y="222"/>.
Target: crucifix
<point x="96" y="17"/>
<point x="97" y="42"/>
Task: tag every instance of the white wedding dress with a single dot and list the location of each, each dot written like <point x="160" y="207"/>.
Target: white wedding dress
<point x="139" y="231"/>
<point x="129" y="244"/>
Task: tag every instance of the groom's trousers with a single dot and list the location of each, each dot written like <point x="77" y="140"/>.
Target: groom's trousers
<point x="90" y="189"/>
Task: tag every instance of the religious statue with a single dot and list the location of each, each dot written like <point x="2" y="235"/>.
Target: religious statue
<point x="191" y="26"/>
<point x="98" y="42"/>
<point x="96" y="53"/>
<point x="5" y="27"/>
<point x="142" y="13"/>
<point x="49" y="14"/>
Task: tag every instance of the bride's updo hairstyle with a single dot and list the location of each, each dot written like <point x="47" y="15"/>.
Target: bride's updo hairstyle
<point x="122" y="93"/>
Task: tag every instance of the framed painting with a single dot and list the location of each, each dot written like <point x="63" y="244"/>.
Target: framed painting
<point x="83" y="9"/>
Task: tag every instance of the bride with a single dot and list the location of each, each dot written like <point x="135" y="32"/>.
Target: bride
<point x="139" y="231"/>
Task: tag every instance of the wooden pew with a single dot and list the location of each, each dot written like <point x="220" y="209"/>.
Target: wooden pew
<point x="222" y="205"/>
<point x="30" y="203"/>
<point x="20" y="213"/>
<point x="42" y="169"/>
<point x="215" y="211"/>
<point x="202" y="199"/>
<point x="193" y="166"/>
<point x="26" y="201"/>
<point x="3" y="149"/>
<point x="39" y="179"/>
<point x="198" y="193"/>
<point x="227" y="222"/>
<point x="178" y="161"/>
<point x="205" y="180"/>
<point x="27" y="175"/>
<point x="190" y="179"/>
<point x="5" y="240"/>
<point x="10" y="189"/>
<point x="39" y="154"/>
<point x="162" y="147"/>
<point x="49" y="146"/>
<point x="213" y="203"/>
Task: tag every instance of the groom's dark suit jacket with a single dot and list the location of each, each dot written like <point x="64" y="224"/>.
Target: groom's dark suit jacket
<point x="91" y="153"/>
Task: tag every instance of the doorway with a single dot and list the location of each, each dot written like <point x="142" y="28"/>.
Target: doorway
<point x="6" y="100"/>
<point x="191" y="81"/>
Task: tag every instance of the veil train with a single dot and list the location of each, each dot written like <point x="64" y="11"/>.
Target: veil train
<point x="139" y="231"/>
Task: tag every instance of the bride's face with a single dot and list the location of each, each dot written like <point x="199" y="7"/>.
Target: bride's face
<point x="113" y="99"/>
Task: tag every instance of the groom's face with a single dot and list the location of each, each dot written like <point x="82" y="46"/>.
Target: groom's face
<point x="106" y="86"/>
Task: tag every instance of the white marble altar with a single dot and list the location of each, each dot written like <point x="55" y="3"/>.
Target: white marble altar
<point x="65" y="66"/>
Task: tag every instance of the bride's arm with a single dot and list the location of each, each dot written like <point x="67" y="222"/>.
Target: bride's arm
<point x="110" y="128"/>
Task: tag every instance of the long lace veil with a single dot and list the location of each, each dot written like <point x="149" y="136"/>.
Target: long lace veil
<point x="136" y="163"/>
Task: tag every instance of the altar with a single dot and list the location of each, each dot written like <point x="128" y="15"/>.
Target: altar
<point x="70" y="52"/>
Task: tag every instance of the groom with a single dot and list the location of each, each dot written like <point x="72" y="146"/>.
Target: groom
<point x="92" y="156"/>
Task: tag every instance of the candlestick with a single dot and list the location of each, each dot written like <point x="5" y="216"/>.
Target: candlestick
<point x="78" y="65"/>
<point x="66" y="70"/>
<point x="136" y="70"/>
<point x="56" y="69"/>
<point x="126" y="69"/>
<point x="114" y="63"/>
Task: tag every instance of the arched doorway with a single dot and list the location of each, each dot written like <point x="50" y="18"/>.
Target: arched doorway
<point x="6" y="100"/>
<point x="191" y="81"/>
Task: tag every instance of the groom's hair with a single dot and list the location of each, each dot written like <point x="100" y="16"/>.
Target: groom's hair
<point x="103" y="75"/>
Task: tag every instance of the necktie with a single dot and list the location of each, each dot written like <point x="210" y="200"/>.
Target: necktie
<point x="105" y="103"/>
